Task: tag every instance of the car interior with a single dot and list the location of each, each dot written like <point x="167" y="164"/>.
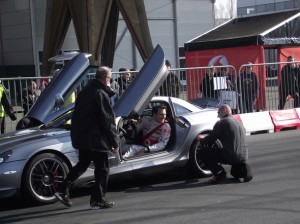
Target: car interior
<point x="127" y="130"/>
<point x="130" y="135"/>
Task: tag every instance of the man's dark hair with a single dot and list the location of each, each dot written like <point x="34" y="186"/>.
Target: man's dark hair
<point x="123" y="70"/>
<point x="224" y="69"/>
<point x="168" y="63"/>
<point x="157" y="107"/>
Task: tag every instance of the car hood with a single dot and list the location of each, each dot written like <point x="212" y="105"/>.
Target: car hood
<point x="29" y="136"/>
<point x="133" y="100"/>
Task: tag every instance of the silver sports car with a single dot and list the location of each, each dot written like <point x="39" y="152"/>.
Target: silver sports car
<point x="34" y="161"/>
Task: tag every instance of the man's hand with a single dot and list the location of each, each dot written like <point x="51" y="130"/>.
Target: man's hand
<point x="115" y="150"/>
<point x="132" y="121"/>
<point x="200" y="137"/>
<point x="13" y="116"/>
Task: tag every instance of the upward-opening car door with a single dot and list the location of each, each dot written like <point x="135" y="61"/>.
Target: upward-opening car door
<point x="75" y="75"/>
<point x="139" y="93"/>
<point x="144" y="86"/>
<point x="44" y="108"/>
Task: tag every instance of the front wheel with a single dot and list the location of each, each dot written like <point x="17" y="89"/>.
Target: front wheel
<point x="42" y="177"/>
<point x="196" y="167"/>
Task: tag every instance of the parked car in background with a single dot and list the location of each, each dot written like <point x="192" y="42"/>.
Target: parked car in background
<point x="34" y="161"/>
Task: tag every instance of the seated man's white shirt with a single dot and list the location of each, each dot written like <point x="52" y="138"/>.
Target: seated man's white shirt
<point x="156" y="141"/>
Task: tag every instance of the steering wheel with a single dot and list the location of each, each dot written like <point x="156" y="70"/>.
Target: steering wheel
<point x="130" y="131"/>
<point x="123" y="132"/>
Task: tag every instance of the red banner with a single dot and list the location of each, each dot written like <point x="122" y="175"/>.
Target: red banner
<point x="283" y="54"/>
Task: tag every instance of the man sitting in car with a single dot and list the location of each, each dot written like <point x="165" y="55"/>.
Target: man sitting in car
<point x="156" y="132"/>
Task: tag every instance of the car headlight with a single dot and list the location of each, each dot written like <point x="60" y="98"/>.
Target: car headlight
<point x="5" y="156"/>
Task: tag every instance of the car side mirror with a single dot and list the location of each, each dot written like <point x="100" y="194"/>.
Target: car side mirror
<point x="59" y="102"/>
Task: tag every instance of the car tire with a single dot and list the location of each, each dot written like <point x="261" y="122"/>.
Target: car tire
<point x="196" y="168"/>
<point x="42" y="177"/>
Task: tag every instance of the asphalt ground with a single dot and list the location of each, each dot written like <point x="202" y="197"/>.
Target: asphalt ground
<point x="272" y="197"/>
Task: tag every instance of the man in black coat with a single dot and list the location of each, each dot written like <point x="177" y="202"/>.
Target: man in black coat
<point x="93" y="133"/>
<point x="207" y="85"/>
<point x="171" y="86"/>
<point x="231" y="134"/>
<point x="124" y="80"/>
<point x="289" y="84"/>
<point x="248" y="86"/>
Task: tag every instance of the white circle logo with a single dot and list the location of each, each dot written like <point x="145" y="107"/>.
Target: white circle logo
<point x="218" y="60"/>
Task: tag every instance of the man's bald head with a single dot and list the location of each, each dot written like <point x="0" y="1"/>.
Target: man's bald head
<point x="224" y="110"/>
<point x="103" y="74"/>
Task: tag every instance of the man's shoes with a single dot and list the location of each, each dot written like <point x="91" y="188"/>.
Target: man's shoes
<point x="101" y="205"/>
<point x="63" y="198"/>
<point x="221" y="175"/>
<point x="248" y="178"/>
<point x="242" y="170"/>
<point x="126" y="155"/>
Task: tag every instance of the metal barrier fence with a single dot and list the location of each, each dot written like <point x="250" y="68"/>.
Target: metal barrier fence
<point x="262" y="91"/>
<point x="215" y="82"/>
<point x="278" y="86"/>
<point x="250" y="88"/>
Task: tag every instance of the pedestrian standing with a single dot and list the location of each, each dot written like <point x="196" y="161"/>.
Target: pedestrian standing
<point x="5" y="107"/>
<point x="94" y="134"/>
<point x="207" y="86"/>
<point x="171" y="86"/>
<point x="124" y="80"/>
<point x="247" y="86"/>
<point x="289" y="83"/>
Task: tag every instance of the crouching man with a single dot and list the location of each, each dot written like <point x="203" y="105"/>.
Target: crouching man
<point x="231" y="134"/>
<point x="156" y="132"/>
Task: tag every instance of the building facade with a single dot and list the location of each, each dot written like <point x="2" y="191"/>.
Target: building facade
<point x="171" y="23"/>
<point x="257" y="7"/>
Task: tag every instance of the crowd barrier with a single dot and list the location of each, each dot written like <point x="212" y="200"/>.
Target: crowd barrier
<point x="190" y="79"/>
<point x="259" y="122"/>
<point x="270" y="121"/>
<point x="285" y="119"/>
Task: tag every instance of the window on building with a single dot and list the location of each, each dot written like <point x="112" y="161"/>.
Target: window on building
<point x="289" y="4"/>
<point x="270" y="7"/>
<point x="279" y="6"/>
<point x="242" y="11"/>
<point x="260" y="8"/>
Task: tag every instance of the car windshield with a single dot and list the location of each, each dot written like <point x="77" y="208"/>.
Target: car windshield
<point x="183" y="107"/>
<point x="63" y="121"/>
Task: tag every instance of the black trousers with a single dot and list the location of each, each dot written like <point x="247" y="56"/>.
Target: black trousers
<point x="101" y="173"/>
<point x="1" y="125"/>
<point x="213" y="158"/>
